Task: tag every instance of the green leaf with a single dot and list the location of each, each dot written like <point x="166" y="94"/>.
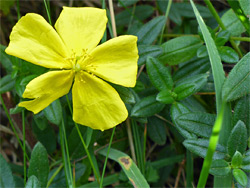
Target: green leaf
<point x="198" y="123"/>
<point x="126" y="3"/>
<point x="217" y="68"/>
<point x="6" y="178"/>
<point x="40" y="121"/>
<point x="237" y="159"/>
<point x="46" y="136"/>
<point x="128" y="166"/>
<point x="179" y="50"/>
<point x="6" y="60"/>
<point x="228" y="55"/>
<point x="166" y="97"/>
<point x="220" y="167"/>
<point x="194" y="67"/>
<point x="16" y="110"/>
<point x="53" y="112"/>
<point x="237" y="139"/>
<point x="237" y="83"/>
<point x="159" y="74"/>
<point x="199" y="147"/>
<point x="148" y="50"/>
<point x="245" y="6"/>
<point x="178" y="109"/>
<point x="232" y="23"/>
<point x="21" y="83"/>
<point x="222" y="37"/>
<point x="202" y="52"/>
<point x="146" y="107"/>
<point x="6" y="83"/>
<point x="125" y="94"/>
<point x="149" y="32"/>
<point x="242" y="112"/>
<point x="190" y="86"/>
<point x="157" y="130"/>
<point x="39" y="164"/>
<point x="167" y="161"/>
<point x="240" y="177"/>
<point x="141" y="13"/>
<point x="186" y="10"/>
<point x="33" y="182"/>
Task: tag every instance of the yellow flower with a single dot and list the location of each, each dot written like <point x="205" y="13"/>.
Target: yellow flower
<point x="71" y="51"/>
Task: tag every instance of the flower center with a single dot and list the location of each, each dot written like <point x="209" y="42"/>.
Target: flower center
<point x="76" y="67"/>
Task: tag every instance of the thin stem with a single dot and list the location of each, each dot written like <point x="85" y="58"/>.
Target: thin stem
<point x="47" y="10"/>
<point x="166" y="16"/>
<point x="66" y="167"/>
<point x="217" y="17"/>
<point x="12" y="125"/>
<point x="112" y="15"/>
<point x="67" y="149"/>
<point x="24" y="149"/>
<point x="106" y="159"/>
<point x="18" y="10"/>
<point x="144" y="147"/>
<point x="211" y="148"/>
<point x="54" y="175"/>
<point x="83" y="143"/>
<point x="130" y="139"/>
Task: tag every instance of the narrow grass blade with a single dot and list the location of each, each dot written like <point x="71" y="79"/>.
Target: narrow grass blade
<point x="214" y="57"/>
<point x="128" y="166"/>
<point x="211" y="148"/>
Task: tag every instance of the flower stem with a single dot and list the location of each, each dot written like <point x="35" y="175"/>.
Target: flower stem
<point x="67" y="149"/>
<point x="18" y="10"/>
<point x="106" y="159"/>
<point x="47" y="10"/>
<point x="12" y="125"/>
<point x="112" y="15"/>
<point x="166" y="16"/>
<point x="67" y="168"/>
<point x="24" y="149"/>
<point x="83" y="143"/>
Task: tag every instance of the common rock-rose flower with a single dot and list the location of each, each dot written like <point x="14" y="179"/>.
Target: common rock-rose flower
<point x="71" y="52"/>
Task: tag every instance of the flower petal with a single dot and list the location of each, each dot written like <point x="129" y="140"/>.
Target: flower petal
<point x="47" y="88"/>
<point x="116" y="60"/>
<point x="81" y="28"/>
<point x="34" y="40"/>
<point x="95" y="103"/>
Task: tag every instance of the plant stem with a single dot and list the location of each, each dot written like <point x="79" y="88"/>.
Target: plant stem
<point x="54" y="175"/>
<point x="24" y="149"/>
<point x="130" y="139"/>
<point x="112" y="15"/>
<point x="67" y="149"/>
<point x="83" y="143"/>
<point x="66" y="166"/>
<point x="12" y="125"/>
<point x="47" y="10"/>
<point x="166" y="16"/>
<point x="217" y="17"/>
<point x="106" y="159"/>
<point x="18" y="10"/>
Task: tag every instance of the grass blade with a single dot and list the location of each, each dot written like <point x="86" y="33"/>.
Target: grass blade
<point x="128" y="166"/>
